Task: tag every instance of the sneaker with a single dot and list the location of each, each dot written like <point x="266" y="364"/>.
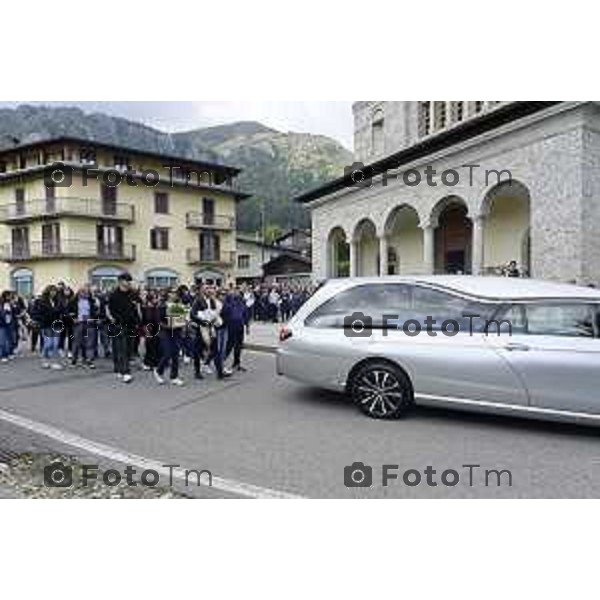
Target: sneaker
<point x="45" y="365"/>
<point x="198" y="376"/>
<point x="224" y="375"/>
<point x="4" y="360"/>
<point x="127" y="378"/>
<point x="207" y="370"/>
<point x="90" y="365"/>
<point x="158" y="377"/>
<point x="146" y="368"/>
<point x="178" y="382"/>
<point x="119" y="376"/>
<point x="227" y="372"/>
<point x="56" y="367"/>
<point x="186" y="360"/>
<point x="241" y="369"/>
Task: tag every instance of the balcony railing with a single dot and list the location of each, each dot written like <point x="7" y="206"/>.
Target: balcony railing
<point x="195" y="220"/>
<point x="55" y="207"/>
<point x="66" y="249"/>
<point x="196" y="256"/>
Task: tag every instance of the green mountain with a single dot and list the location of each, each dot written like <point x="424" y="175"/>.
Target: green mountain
<point x="276" y="165"/>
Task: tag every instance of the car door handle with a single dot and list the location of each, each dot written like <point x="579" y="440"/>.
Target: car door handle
<point x="517" y="347"/>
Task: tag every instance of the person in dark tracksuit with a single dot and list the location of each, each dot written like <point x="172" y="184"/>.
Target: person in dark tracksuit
<point x="123" y="317"/>
<point x="151" y="331"/>
<point x="235" y="317"/>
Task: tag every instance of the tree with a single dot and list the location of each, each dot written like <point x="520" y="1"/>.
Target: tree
<point x="272" y="232"/>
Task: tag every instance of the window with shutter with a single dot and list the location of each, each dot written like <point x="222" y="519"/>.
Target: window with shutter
<point x="161" y="203"/>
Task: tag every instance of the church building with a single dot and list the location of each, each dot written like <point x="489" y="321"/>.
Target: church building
<point x="464" y="187"/>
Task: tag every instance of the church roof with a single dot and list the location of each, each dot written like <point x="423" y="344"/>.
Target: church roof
<point x="445" y="139"/>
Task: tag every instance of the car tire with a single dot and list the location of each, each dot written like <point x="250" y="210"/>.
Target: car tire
<point x="381" y="390"/>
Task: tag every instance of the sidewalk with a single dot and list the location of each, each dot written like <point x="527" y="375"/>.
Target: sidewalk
<point x="263" y="337"/>
<point x="7" y="492"/>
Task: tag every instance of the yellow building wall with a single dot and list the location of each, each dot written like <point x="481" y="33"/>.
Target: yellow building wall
<point x="505" y="230"/>
<point x="408" y="243"/>
<point x="368" y="256"/>
<point x="34" y="190"/>
<point x="4" y="276"/>
<point x="74" y="272"/>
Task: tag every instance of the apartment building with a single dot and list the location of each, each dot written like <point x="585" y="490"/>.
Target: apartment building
<point x="80" y="211"/>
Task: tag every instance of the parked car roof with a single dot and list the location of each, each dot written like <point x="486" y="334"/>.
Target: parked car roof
<point x="492" y="288"/>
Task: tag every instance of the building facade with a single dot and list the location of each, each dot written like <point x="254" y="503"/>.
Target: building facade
<point x="252" y="254"/>
<point x="464" y="187"/>
<point x="286" y="260"/>
<point x="108" y="210"/>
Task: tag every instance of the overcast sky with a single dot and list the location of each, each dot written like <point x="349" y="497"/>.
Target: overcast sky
<point x="328" y="118"/>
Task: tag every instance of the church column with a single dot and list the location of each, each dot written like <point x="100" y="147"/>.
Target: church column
<point x="432" y="126"/>
<point x="383" y="255"/>
<point x="428" y="248"/>
<point x="478" y="224"/>
<point x="332" y="258"/>
<point x="353" y="258"/>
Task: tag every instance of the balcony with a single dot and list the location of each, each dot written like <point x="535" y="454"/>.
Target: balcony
<point x="209" y="221"/>
<point x="64" y="207"/>
<point x="66" y="249"/>
<point x="195" y="256"/>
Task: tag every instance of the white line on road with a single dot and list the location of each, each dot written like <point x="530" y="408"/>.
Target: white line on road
<point x="230" y="486"/>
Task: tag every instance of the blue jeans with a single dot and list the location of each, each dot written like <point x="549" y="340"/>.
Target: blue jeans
<point x="51" y="341"/>
<point x="220" y="348"/>
<point x="13" y="341"/>
<point x="171" y="342"/>
<point x="85" y="341"/>
<point x="4" y="342"/>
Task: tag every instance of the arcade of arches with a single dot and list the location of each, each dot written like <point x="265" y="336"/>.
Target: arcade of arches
<point x="449" y="240"/>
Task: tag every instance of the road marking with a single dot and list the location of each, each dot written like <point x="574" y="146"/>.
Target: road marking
<point x="231" y="486"/>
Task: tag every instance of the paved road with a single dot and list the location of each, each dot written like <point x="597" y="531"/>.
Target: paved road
<point x="266" y="431"/>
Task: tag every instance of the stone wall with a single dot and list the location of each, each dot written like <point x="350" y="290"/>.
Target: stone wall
<point x="400" y="127"/>
<point x="554" y="155"/>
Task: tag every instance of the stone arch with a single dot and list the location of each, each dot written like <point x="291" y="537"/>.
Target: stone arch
<point x="338" y="253"/>
<point x="453" y="235"/>
<point x="404" y="241"/>
<point x="366" y="245"/>
<point x="506" y="216"/>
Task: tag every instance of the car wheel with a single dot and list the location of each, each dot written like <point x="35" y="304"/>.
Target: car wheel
<point x="381" y="390"/>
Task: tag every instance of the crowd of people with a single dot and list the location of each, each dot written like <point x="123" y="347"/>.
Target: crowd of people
<point x="205" y="325"/>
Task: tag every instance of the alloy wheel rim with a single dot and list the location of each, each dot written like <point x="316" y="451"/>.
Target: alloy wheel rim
<point x="380" y="392"/>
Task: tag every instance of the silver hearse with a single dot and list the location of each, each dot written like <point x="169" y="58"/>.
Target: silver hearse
<point x="502" y="345"/>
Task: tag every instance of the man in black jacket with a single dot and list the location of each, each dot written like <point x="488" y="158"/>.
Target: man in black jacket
<point x="124" y="319"/>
